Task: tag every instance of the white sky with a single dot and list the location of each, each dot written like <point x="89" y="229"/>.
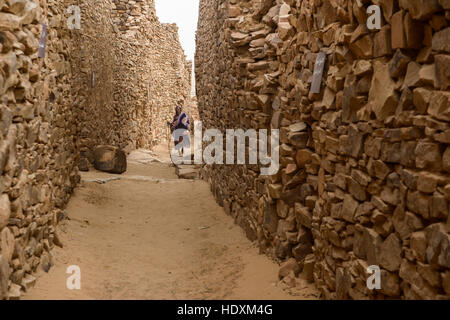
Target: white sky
<point x="185" y="14"/>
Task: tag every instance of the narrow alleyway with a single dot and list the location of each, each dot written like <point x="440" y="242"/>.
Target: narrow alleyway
<point x="354" y="94"/>
<point x="150" y="235"/>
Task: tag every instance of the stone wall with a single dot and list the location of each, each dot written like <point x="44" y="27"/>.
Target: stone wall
<point x="138" y="81"/>
<point x="365" y="162"/>
<point x="170" y="82"/>
<point x="106" y="83"/>
<point x="38" y="147"/>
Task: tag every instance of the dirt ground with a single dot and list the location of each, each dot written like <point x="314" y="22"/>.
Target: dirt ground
<point x="150" y="235"/>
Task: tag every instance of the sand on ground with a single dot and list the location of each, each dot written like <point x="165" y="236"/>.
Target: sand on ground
<point x="150" y="235"/>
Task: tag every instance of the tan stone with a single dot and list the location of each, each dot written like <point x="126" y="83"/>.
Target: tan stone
<point x="417" y="75"/>
<point x="382" y="42"/>
<point x="110" y="159"/>
<point x="440" y="105"/>
<point x="308" y="267"/>
<point x="285" y="30"/>
<point x="234" y="11"/>
<point x="446" y="160"/>
<point x="382" y="94"/>
<point x="420" y="9"/>
<point x="428" y="182"/>
<point x="289" y="266"/>
<point x="421" y="99"/>
<point x="363" y="47"/>
<point x="303" y="157"/>
<point x="419" y="244"/>
<point x="372" y="246"/>
<point x="5" y="210"/>
<point x="303" y="215"/>
<point x="388" y="7"/>
<point x="414" y="32"/>
<point x="446" y="281"/>
<point x="275" y="190"/>
<point x="398" y="36"/>
<point x="349" y="208"/>
<point x="4" y="277"/>
<point x="441" y="40"/>
<point x="9" y="21"/>
<point x="390" y="284"/>
<point x="438" y="249"/>
<point x="442" y="71"/>
<point x="343" y="283"/>
<point x="7" y="244"/>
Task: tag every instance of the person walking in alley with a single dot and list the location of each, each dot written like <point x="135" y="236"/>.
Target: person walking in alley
<point x="180" y="122"/>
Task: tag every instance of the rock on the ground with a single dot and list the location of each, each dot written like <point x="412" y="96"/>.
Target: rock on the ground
<point x="289" y="266"/>
<point x="14" y="292"/>
<point x="110" y="159"/>
<point x="83" y="165"/>
<point x="187" y="172"/>
<point x="28" y="282"/>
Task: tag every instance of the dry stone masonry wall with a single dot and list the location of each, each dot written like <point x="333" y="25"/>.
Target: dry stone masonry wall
<point x="105" y="83"/>
<point x="147" y="76"/>
<point x="365" y="155"/>
<point x="37" y="146"/>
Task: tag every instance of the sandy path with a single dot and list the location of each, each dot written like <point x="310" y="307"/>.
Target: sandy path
<point x="152" y="236"/>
